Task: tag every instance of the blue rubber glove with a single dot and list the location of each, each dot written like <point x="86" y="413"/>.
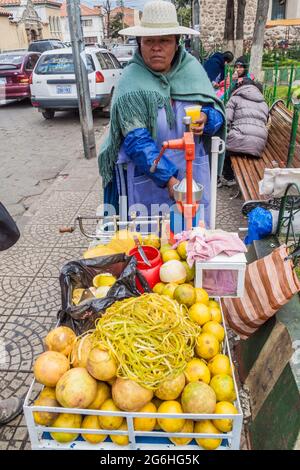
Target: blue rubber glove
<point x="142" y="150"/>
<point x="214" y="122"/>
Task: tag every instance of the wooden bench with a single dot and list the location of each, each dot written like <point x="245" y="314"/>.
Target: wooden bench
<point x="249" y="171"/>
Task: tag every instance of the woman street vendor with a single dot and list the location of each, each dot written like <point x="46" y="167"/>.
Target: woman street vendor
<point x="148" y="109"/>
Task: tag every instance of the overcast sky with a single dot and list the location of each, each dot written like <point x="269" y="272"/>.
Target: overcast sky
<point x="127" y="3"/>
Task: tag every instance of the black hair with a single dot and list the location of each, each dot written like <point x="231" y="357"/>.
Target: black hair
<point x="248" y="81"/>
<point x="228" y="56"/>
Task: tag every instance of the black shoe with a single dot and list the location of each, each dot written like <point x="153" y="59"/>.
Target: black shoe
<point x="10" y="409"/>
<point x="224" y="182"/>
<point x="250" y="205"/>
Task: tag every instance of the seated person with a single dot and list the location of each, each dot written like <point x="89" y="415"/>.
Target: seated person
<point x="240" y="71"/>
<point x="247" y="116"/>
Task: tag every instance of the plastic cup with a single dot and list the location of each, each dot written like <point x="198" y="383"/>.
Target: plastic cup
<point x="194" y="112"/>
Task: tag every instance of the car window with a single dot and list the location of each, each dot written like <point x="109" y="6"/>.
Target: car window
<point x="103" y="63"/>
<point x="10" y="61"/>
<point x="57" y="45"/>
<point x="115" y="61"/>
<point x="108" y="61"/>
<point x="51" y="64"/>
<point x="39" y="47"/>
<point x="31" y="61"/>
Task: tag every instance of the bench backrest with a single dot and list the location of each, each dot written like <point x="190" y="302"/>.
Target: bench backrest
<point x="280" y="134"/>
<point x="249" y="172"/>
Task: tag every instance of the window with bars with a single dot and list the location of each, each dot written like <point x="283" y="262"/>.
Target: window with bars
<point x="91" y="40"/>
<point x="87" y="22"/>
<point x="278" y="9"/>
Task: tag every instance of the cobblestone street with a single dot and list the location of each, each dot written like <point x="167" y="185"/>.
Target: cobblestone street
<point x="34" y="151"/>
<point x="47" y="163"/>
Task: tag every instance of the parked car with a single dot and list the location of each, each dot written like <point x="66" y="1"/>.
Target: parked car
<point x="15" y="72"/>
<point x="124" y="60"/>
<point x="53" y="83"/>
<point x="124" y="50"/>
<point x="43" y="45"/>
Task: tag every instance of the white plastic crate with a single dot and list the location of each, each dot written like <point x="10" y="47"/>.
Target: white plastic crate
<point x="40" y="435"/>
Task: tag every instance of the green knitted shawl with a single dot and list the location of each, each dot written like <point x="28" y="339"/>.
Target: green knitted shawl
<point x="141" y="92"/>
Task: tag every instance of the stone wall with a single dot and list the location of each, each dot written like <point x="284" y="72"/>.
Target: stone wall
<point x="213" y="22"/>
<point x="213" y="14"/>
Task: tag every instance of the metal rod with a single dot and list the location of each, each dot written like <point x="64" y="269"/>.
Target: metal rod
<point x="215" y="150"/>
<point x="275" y="82"/>
<point x="292" y="144"/>
<point x="289" y="96"/>
<point x="82" y="81"/>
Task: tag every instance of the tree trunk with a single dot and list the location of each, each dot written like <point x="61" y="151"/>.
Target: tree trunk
<point x="258" y="37"/>
<point x="229" y="24"/>
<point x="239" y="43"/>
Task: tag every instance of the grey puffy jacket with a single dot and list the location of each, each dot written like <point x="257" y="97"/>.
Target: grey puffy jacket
<point x="247" y="116"/>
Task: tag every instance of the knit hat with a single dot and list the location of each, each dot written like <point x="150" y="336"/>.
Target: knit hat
<point x="159" y="19"/>
<point x="241" y="61"/>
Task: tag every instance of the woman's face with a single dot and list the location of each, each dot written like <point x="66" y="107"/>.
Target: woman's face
<point x="240" y="70"/>
<point x="158" y="52"/>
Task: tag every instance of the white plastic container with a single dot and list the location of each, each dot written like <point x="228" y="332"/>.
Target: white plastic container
<point x="40" y="435"/>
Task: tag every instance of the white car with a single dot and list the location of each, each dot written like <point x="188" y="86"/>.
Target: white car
<point x="53" y="83"/>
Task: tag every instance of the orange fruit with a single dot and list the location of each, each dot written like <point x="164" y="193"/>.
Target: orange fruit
<point x="215" y="314"/>
<point x="145" y="424"/>
<point x="220" y="364"/>
<point x="185" y="294"/>
<point x="215" y="329"/>
<point x="224" y="408"/>
<point x="201" y="296"/>
<point x="207" y="346"/>
<point x="168" y="255"/>
<point x="121" y="439"/>
<point x="171" y="424"/>
<point x="207" y="427"/>
<point x="181" y="250"/>
<point x="169" y="289"/>
<point x="223" y="386"/>
<point x="196" y="370"/>
<point x="199" y="313"/>
<point x="159" y="287"/>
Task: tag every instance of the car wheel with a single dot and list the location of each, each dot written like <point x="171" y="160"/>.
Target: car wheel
<point x="48" y="114"/>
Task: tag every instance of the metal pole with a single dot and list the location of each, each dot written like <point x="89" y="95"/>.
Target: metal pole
<point x="289" y="96"/>
<point x="292" y="144"/>
<point x="196" y="25"/>
<point x="82" y="82"/>
<point x="276" y="82"/>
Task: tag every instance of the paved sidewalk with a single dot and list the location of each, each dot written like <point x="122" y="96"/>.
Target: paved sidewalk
<point x="29" y="287"/>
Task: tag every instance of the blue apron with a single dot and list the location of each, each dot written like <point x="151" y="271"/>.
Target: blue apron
<point x="144" y="196"/>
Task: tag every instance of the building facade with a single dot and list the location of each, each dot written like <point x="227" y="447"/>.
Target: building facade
<point x="131" y="15"/>
<point x="28" y="21"/>
<point x="91" y="21"/>
<point x="213" y="12"/>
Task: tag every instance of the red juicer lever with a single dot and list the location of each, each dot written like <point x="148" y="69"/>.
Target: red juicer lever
<point x="169" y="144"/>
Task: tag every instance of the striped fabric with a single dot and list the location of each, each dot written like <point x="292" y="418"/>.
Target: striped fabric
<point x="270" y="283"/>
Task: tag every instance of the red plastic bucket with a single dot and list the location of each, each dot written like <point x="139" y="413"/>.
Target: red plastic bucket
<point x="151" y="274"/>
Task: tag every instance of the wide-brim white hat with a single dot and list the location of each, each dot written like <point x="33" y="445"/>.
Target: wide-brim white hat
<point x="159" y="19"/>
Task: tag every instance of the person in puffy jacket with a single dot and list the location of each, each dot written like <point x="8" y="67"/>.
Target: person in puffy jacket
<point x="247" y="117"/>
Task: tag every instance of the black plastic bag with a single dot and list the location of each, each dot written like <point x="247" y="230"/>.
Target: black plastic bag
<point x="9" y="232"/>
<point x="77" y="274"/>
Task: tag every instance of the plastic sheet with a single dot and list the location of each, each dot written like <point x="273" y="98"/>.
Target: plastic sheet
<point x="259" y="224"/>
<point x="80" y="274"/>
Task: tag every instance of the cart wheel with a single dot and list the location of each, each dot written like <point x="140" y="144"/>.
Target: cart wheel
<point x="48" y="114"/>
